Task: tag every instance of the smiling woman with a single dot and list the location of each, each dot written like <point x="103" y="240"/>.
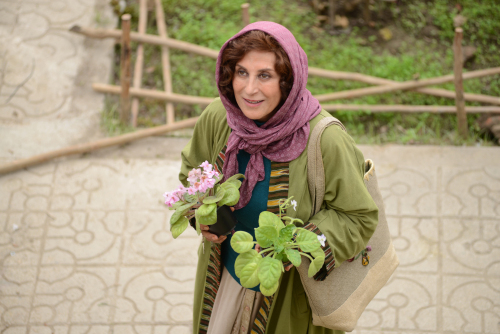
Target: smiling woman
<point x="260" y="127"/>
<point x="256" y="85"/>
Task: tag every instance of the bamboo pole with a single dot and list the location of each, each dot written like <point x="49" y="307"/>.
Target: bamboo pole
<point x="459" y="87"/>
<point x="348" y="94"/>
<point x="149" y="39"/>
<point x="154" y="94"/>
<point x="336" y="75"/>
<point x="93" y="146"/>
<point x="408" y="109"/>
<point x="143" y="21"/>
<point x="125" y="70"/>
<point x="245" y="14"/>
<point x="165" y="60"/>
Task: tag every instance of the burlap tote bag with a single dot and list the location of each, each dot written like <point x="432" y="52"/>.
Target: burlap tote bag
<point x="338" y="301"/>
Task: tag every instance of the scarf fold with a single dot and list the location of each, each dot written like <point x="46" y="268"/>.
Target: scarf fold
<point x="284" y="136"/>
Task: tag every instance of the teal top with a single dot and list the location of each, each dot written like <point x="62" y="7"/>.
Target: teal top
<point x="248" y="217"/>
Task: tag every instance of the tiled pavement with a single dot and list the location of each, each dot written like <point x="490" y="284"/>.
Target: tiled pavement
<point x="84" y="242"/>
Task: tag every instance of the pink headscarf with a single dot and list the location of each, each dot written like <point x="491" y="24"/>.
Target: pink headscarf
<point x="284" y="136"/>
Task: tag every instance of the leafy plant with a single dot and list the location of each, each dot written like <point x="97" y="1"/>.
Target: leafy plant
<point x="281" y="241"/>
<point x="201" y="199"/>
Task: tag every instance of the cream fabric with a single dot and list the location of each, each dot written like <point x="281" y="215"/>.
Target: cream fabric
<point x="235" y="307"/>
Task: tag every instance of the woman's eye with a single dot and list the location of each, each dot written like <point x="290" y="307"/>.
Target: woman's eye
<point x="241" y="72"/>
<point x="265" y="76"/>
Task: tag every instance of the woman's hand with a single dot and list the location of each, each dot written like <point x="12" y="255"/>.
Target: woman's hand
<point x="259" y="249"/>
<point x="210" y="236"/>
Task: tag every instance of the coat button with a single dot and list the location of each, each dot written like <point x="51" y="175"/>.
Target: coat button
<point x="247" y="308"/>
<point x="243" y="329"/>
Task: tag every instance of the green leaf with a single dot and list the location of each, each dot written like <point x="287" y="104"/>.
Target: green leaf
<point x="234" y="180"/>
<point x="282" y="257"/>
<point x="269" y="292"/>
<point x="179" y="227"/>
<point x="176" y="205"/>
<point x="294" y="256"/>
<point x="307" y="240"/>
<point x="318" y="253"/>
<point x="242" y="242"/>
<point x="198" y="228"/>
<point x="231" y="195"/>
<point x="249" y="275"/>
<point x="315" y="266"/>
<point x="181" y="210"/>
<point x="245" y="258"/>
<point x="206" y="214"/>
<point x="214" y="199"/>
<point x="267" y="218"/>
<point x="266" y="235"/>
<point x="286" y="233"/>
<point x="269" y="272"/>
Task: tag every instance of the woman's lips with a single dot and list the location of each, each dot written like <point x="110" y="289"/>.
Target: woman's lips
<point x="253" y="103"/>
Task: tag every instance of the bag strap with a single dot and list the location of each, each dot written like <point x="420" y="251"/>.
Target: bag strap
<point x="315" y="170"/>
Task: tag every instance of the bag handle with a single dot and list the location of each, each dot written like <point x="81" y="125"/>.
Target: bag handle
<point x="315" y="170"/>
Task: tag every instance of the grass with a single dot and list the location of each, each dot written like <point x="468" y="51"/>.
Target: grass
<point x="421" y="46"/>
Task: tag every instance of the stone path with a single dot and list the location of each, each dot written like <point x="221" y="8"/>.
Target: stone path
<point x="85" y="244"/>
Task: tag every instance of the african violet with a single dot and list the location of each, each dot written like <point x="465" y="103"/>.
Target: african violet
<point x="201" y="198"/>
<point x="279" y="243"/>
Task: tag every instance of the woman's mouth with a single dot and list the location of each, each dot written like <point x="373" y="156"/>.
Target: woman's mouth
<point x="253" y="103"/>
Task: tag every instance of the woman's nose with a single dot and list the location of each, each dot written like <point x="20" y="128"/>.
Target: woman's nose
<point x="251" y="86"/>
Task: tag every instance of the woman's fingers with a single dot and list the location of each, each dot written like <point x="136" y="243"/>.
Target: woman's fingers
<point x="257" y="248"/>
<point x="213" y="238"/>
<point x="204" y="227"/>
<point x="287" y="268"/>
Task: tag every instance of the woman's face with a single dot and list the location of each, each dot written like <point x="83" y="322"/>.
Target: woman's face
<point x="256" y="85"/>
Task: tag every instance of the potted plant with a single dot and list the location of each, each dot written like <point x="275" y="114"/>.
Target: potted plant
<point x="281" y="241"/>
<point x="206" y="200"/>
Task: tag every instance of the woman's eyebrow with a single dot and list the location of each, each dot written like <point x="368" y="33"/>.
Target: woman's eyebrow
<point x="261" y="70"/>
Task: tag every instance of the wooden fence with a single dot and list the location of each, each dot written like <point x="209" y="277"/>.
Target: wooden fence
<point x="129" y="96"/>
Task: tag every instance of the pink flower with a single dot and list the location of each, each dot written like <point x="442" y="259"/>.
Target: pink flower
<point x="207" y="167"/>
<point x="191" y="191"/>
<point x="170" y="199"/>
<point x="369" y="248"/>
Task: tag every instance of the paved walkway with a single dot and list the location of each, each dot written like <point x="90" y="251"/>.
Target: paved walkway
<point x="85" y="245"/>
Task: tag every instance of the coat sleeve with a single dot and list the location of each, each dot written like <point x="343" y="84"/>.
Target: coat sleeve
<point x="200" y="147"/>
<point x="348" y="216"/>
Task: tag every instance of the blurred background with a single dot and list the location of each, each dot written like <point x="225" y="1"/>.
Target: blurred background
<point x="397" y="40"/>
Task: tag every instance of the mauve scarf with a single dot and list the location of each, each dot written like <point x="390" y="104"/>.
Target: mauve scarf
<point x="284" y="136"/>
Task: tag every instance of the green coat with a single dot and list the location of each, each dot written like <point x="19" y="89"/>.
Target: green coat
<point x="348" y="219"/>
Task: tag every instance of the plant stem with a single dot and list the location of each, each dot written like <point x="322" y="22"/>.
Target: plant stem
<point x="310" y="258"/>
<point x="266" y="250"/>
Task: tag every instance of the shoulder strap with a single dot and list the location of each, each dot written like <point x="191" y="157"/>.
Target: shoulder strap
<point x="315" y="170"/>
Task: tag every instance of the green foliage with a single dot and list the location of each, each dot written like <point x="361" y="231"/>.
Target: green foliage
<point x="242" y="242"/>
<point x="423" y="35"/>
<point x="206" y="214"/>
<point x="278" y="245"/>
<point x="204" y="205"/>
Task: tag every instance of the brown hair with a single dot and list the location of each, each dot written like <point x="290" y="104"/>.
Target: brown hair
<point x="254" y="40"/>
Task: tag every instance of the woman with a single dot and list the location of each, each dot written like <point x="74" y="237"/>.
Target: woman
<point x="259" y="127"/>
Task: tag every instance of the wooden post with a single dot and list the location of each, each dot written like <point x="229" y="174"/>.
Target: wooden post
<point x="459" y="87"/>
<point x="143" y="20"/>
<point x="366" y="12"/>
<point x="165" y="60"/>
<point x="125" y="70"/>
<point x="245" y="14"/>
<point x="331" y="14"/>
